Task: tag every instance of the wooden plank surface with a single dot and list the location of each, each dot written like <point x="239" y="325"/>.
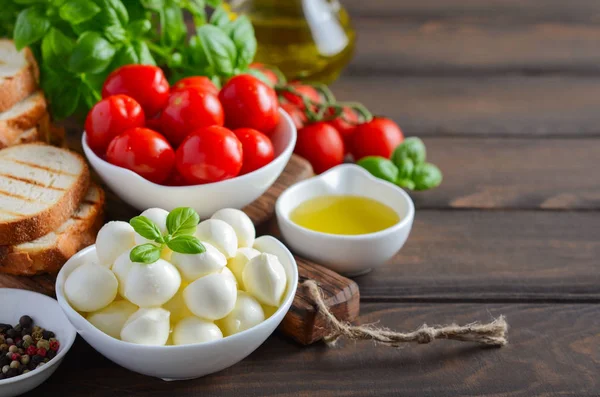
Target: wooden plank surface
<point x="564" y="106"/>
<point x="554" y="350"/>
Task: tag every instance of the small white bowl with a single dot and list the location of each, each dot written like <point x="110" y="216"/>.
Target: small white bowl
<point x="185" y="361"/>
<point x="205" y="199"/>
<point x="351" y="255"/>
<point x="46" y="313"/>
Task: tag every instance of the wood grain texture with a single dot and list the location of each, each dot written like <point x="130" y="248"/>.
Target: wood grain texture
<point x="554" y="350"/>
<point x="493" y="256"/>
<point x="303" y="322"/>
<point x="482" y="106"/>
<point x="553" y="174"/>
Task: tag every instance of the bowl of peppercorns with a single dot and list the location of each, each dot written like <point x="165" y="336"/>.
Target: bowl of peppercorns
<point x="35" y="335"/>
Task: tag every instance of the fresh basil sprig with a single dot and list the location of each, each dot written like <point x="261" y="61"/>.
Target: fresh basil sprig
<point x="77" y="43"/>
<point x="181" y="226"/>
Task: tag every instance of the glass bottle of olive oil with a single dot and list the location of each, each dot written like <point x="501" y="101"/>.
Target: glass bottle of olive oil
<point x="307" y="39"/>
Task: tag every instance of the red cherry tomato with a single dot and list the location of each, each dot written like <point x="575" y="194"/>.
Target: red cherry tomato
<point x="346" y="124"/>
<point x="297" y="115"/>
<point x="257" y="148"/>
<point x="201" y="82"/>
<point x="144" y="83"/>
<point x="187" y="110"/>
<point x="378" y="137"/>
<point x="175" y="179"/>
<point x="154" y="124"/>
<point x="209" y="154"/>
<point x="143" y="151"/>
<point x="302" y="89"/>
<point x="321" y="145"/>
<point x="269" y="74"/>
<point x="110" y="117"/>
<point x="249" y="103"/>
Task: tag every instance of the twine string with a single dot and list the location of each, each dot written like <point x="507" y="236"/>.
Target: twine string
<point x="490" y="334"/>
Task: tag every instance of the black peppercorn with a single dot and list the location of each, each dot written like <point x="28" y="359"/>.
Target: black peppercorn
<point x="26" y="331"/>
<point x="50" y="354"/>
<point x="2" y="375"/>
<point x="25" y="321"/>
<point x="12" y="372"/>
<point x="47" y="335"/>
<point x="18" y="328"/>
<point x="37" y="359"/>
<point x="11" y="333"/>
<point x="19" y="344"/>
<point x="4" y="327"/>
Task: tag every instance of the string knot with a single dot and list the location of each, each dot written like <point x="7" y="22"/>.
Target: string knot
<point x="425" y="334"/>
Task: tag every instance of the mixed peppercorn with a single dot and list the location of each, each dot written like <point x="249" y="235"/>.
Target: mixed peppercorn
<point x="25" y="347"/>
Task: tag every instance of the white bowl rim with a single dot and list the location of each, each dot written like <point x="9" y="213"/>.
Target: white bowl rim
<point x="291" y="295"/>
<point x="305" y="184"/>
<point x="65" y="345"/>
<point x="93" y="157"/>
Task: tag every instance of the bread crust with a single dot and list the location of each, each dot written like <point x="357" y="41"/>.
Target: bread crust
<point x="11" y="128"/>
<point x="18" y="87"/>
<point x="50" y="260"/>
<point x="31" y="135"/>
<point x="35" y="226"/>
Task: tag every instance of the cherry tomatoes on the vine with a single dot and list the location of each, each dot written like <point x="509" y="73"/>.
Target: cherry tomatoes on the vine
<point x="321" y="145"/>
<point x="346" y="124"/>
<point x="202" y="83"/>
<point x="378" y="137"/>
<point x="144" y="83"/>
<point x="110" y="117"/>
<point x="209" y="154"/>
<point x="249" y="103"/>
<point x="302" y="89"/>
<point x="269" y="74"/>
<point x="297" y="115"/>
<point x="257" y="148"/>
<point x="143" y="151"/>
<point x="187" y="110"/>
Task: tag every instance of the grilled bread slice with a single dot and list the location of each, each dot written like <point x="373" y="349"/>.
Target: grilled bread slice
<point x="19" y="74"/>
<point x="31" y="135"/>
<point x="23" y="116"/>
<point x="48" y="253"/>
<point x="41" y="186"/>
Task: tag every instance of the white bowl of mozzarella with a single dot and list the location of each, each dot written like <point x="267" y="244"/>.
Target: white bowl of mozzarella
<point x="185" y="315"/>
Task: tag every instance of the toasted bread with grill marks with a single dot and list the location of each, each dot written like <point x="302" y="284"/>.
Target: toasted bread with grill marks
<point x="41" y="186"/>
<point x="19" y="74"/>
<point x="48" y="253"/>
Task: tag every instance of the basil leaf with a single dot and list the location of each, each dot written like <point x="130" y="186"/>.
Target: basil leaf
<point x="186" y="245"/>
<point x="125" y="56"/>
<point x="115" y="34"/>
<point x="242" y="34"/>
<point x="32" y="24"/>
<point x="197" y="53"/>
<point x="412" y="148"/>
<point x="145" y="253"/>
<point x="173" y="26"/>
<point x="120" y="10"/>
<point x="214" y="3"/>
<point x="154" y="5"/>
<point x="146" y="228"/>
<point x="182" y="221"/>
<point x="426" y="176"/>
<point x="92" y="54"/>
<point x="78" y="11"/>
<point x="220" y="50"/>
<point x="196" y="8"/>
<point x="143" y="53"/>
<point x="59" y="87"/>
<point x="379" y="167"/>
<point x="29" y="1"/>
<point x="56" y="47"/>
<point x="140" y="27"/>
<point x="107" y="17"/>
<point x="259" y="75"/>
<point x="220" y="17"/>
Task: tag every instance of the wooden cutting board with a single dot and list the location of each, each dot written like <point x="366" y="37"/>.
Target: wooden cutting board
<point x="303" y="323"/>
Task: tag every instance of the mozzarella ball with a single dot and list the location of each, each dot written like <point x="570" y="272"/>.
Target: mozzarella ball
<point x="159" y="217"/>
<point x="148" y="285"/>
<point x="227" y="273"/>
<point x="195" y="330"/>
<point x="147" y="327"/>
<point x="240" y="222"/>
<point x="177" y="307"/>
<point x="121" y="269"/>
<point x="265" y="279"/>
<point x="90" y="287"/>
<point x="111" y="319"/>
<point x="246" y="314"/>
<point x="113" y="239"/>
<point x="239" y="261"/>
<point x="193" y="266"/>
<point x="219" y="234"/>
<point x="211" y="297"/>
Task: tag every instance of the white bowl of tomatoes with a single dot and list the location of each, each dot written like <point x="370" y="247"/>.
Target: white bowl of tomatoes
<point x="187" y="145"/>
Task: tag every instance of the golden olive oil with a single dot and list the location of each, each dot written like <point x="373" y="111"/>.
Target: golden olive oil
<point x="307" y="39"/>
<point x="348" y="215"/>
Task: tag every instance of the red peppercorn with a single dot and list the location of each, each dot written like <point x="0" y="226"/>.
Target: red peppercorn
<point x="54" y="345"/>
<point x="15" y="356"/>
<point x="17" y="340"/>
<point x="31" y="350"/>
<point x="41" y="352"/>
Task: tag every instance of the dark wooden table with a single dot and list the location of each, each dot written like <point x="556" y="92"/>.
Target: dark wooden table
<point x="506" y="94"/>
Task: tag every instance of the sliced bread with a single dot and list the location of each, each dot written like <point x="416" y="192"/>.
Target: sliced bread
<point x="31" y="135"/>
<point x="19" y="74"/>
<point x="48" y="253"/>
<point x="23" y="116"/>
<point x="41" y="186"/>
